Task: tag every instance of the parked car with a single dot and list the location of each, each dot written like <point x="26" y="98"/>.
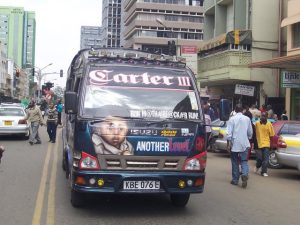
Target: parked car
<point x="284" y="129"/>
<point x="219" y="134"/>
<point x="288" y="151"/>
<point x="12" y="120"/>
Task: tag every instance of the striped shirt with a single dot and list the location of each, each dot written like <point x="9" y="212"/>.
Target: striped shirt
<point x="52" y="116"/>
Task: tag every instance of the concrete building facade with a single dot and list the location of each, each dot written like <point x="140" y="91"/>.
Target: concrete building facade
<point x="237" y="33"/>
<point x="288" y="59"/>
<point x="149" y="25"/>
<point x="90" y="37"/>
<point x="111" y="23"/>
<point x="17" y="35"/>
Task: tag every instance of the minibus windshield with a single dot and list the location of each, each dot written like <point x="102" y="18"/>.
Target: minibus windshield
<point x="157" y="94"/>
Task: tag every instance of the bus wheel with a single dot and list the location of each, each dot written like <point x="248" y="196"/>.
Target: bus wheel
<point x="180" y="200"/>
<point x="77" y="199"/>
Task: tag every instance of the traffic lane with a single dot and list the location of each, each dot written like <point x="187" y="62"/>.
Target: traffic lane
<point x="20" y="174"/>
<point x="263" y="202"/>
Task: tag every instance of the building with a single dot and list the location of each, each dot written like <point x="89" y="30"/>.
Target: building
<point x="149" y="24"/>
<point x="17" y="35"/>
<point x="289" y="57"/>
<point x="237" y="33"/>
<point x="111" y="23"/>
<point x="90" y="37"/>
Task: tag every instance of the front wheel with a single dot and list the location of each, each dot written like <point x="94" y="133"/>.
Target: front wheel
<point x="273" y="161"/>
<point x="180" y="200"/>
<point x="77" y="199"/>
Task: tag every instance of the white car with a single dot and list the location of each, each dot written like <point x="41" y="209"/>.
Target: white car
<point x="12" y="120"/>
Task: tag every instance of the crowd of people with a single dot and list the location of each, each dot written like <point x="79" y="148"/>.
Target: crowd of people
<point x="247" y="128"/>
<point x="35" y="116"/>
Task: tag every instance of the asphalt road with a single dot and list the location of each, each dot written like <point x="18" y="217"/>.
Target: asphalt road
<point x="34" y="191"/>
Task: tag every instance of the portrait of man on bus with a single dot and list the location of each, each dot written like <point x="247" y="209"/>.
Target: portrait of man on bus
<point x="109" y="137"/>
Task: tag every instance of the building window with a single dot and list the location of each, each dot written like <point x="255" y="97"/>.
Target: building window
<point x="296" y="35"/>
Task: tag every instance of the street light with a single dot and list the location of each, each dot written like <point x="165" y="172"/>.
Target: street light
<point x="161" y="22"/>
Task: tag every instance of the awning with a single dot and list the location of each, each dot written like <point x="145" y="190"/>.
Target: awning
<point x="239" y="37"/>
<point x="290" y="20"/>
<point x="291" y="62"/>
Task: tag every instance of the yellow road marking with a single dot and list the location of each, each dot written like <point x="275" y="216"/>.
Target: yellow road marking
<point x="51" y="194"/>
<point x="41" y="193"/>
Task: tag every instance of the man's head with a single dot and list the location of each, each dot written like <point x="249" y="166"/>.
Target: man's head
<point x="113" y="130"/>
<point x="238" y="108"/>
<point x="264" y="117"/>
<point x="51" y="105"/>
<point x="31" y="104"/>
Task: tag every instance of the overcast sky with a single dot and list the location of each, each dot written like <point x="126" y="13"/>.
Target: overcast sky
<point x="58" y="30"/>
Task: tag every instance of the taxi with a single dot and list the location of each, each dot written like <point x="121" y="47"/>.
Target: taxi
<point x="288" y="151"/>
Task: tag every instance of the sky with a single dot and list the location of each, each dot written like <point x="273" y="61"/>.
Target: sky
<point x="58" y="24"/>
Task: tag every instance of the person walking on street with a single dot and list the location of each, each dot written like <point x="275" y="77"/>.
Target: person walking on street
<point x="59" y="108"/>
<point x="284" y="115"/>
<point x="43" y="107"/>
<point x="52" y="123"/>
<point x="264" y="132"/>
<point x="239" y="131"/>
<point x="2" y="149"/>
<point x="34" y="116"/>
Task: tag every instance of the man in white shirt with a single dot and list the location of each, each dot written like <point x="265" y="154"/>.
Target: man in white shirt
<point x="239" y="131"/>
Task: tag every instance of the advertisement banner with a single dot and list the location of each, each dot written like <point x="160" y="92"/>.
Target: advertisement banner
<point x="244" y="90"/>
<point x="290" y="79"/>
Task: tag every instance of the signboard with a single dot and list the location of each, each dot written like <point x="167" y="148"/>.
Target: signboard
<point x="190" y="54"/>
<point x="244" y="90"/>
<point x="290" y="79"/>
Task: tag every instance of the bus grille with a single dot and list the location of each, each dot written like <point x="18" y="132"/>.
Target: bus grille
<point x="140" y="163"/>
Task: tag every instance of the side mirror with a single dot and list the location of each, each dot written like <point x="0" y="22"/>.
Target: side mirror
<point x="70" y="102"/>
<point x="225" y="109"/>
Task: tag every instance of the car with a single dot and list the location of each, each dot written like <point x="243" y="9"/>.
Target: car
<point x="288" y="151"/>
<point x="220" y="144"/>
<point x="283" y="129"/>
<point x="219" y="131"/>
<point x="12" y="120"/>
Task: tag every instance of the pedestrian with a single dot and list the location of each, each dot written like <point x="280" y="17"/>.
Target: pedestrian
<point x="264" y="132"/>
<point x="43" y="107"/>
<point x="270" y="112"/>
<point x="207" y="126"/>
<point x="52" y="123"/>
<point x="59" y="108"/>
<point x="263" y="108"/>
<point x="239" y="131"/>
<point x="284" y="116"/>
<point x="34" y="116"/>
<point x="1" y="152"/>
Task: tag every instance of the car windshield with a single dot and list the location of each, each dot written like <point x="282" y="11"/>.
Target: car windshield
<point x="11" y="112"/>
<point x="158" y="94"/>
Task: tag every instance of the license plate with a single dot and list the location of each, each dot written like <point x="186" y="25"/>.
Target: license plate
<point x="7" y="123"/>
<point x="141" y="185"/>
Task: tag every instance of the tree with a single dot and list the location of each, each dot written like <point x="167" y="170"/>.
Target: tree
<point x="58" y="92"/>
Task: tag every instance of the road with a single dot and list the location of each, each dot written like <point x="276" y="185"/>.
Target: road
<point x="34" y="191"/>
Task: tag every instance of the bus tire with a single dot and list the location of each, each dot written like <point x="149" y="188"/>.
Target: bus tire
<point x="77" y="199"/>
<point x="180" y="200"/>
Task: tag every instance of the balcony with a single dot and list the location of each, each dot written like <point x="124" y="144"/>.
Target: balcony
<point x="208" y="4"/>
<point x="224" y="67"/>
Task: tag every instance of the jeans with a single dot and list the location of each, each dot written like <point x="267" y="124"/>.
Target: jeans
<point x="34" y="132"/>
<point x="51" y="129"/>
<point x="238" y="158"/>
<point x="262" y="159"/>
